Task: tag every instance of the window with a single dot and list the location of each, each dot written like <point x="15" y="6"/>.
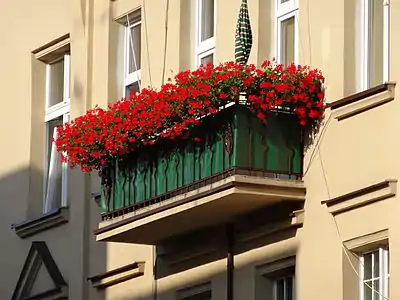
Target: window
<point x="205" y="47"/>
<point x="284" y="288"/>
<point x="56" y="114"/>
<point x="133" y="45"/>
<point x="287" y="31"/>
<point x="199" y="292"/>
<point x="374" y="271"/>
<point x="375" y="40"/>
<point x="276" y="280"/>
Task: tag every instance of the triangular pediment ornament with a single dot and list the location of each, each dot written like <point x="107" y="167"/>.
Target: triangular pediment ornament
<point x="39" y="256"/>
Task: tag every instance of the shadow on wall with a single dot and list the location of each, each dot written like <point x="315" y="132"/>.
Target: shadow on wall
<point x="18" y="192"/>
<point x="175" y="256"/>
<point x="202" y="255"/>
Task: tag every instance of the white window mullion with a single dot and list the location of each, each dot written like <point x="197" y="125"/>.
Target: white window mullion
<point x="48" y="73"/>
<point x="67" y="76"/>
<point x="366" y="44"/>
<point x="386" y="41"/>
<point x="385" y="274"/>
<point x="362" y="275"/>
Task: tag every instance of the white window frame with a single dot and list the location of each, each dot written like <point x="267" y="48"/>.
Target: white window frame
<point x="285" y="11"/>
<point x="136" y="76"/>
<point x="365" y="46"/>
<point x="384" y="274"/>
<point x="284" y="284"/>
<point x="206" y="47"/>
<point x="52" y="112"/>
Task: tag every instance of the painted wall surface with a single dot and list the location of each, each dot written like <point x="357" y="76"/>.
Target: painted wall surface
<point x="350" y="154"/>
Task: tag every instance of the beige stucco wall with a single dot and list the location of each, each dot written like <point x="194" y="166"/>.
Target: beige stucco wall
<point x="352" y="154"/>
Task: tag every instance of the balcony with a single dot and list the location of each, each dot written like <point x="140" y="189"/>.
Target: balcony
<point x="237" y="165"/>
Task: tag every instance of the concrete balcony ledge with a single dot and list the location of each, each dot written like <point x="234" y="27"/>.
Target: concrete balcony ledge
<point x="207" y="206"/>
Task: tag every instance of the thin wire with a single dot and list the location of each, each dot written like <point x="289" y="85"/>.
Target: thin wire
<point x="346" y="250"/>
<point x="317" y="144"/>
<point x="298" y="29"/>
<point x="309" y="28"/>
<point x="165" y="42"/>
<point x="133" y="49"/>
<point x="147" y="40"/>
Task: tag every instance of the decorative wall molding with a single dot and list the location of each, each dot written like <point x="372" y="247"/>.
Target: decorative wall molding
<point x="39" y="254"/>
<point x="368" y="241"/>
<point x="361" y="197"/>
<point x="277" y="265"/>
<point x="42" y="223"/>
<point x="48" y="52"/>
<point x="118" y="275"/>
<point x="363" y="101"/>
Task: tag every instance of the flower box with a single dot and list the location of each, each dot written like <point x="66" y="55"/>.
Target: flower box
<point x="233" y="141"/>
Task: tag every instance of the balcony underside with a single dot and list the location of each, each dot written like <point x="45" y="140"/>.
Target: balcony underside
<point x="208" y="205"/>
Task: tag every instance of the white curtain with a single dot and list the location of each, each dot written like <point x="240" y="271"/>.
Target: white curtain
<point x="54" y="178"/>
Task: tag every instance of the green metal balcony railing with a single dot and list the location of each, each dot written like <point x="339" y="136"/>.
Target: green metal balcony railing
<point x="232" y="142"/>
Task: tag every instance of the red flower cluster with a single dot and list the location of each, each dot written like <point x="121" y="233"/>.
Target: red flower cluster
<point x="168" y="113"/>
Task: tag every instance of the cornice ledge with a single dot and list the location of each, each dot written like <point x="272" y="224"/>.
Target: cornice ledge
<point x="118" y="275"/>
<point x="363" y="101"/>
<point x="362" y="197"/>
<point x="46" y="221"/>
<point x="368" y="241"/>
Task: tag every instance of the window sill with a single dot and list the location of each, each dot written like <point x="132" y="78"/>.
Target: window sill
<point x="42" y="223"/>
<point x="361" y="197"/>
<point x="119" y="275"/>
<point x="363" y="101"/>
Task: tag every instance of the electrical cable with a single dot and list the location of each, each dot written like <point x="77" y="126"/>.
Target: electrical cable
<point x="346" y="250"/>
<point x="147" y="40"/>
<point x="165" y="42"/>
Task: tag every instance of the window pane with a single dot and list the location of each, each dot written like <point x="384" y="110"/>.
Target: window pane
<point x="376" y="292"/>
<point x="289" y="288"/>
<point x="206" y="19"/>
<point x="280" y="289"/>
<point x="134" y="87"/>
<point x="56" y="83"/>
<point x="375" y="42"/>
<point x="134" y="44"/>
<point x="288" y="41"/>
<point x="283" y="1"/>
<point x="53" y="168"/>
<point x="207" y="59"/>
<point x="376" y="264"/>
<point x="368" y="266"/>
<point x="367" y="291"/>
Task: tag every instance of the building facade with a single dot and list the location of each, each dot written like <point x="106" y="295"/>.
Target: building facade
<point x="330" y="233"/>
